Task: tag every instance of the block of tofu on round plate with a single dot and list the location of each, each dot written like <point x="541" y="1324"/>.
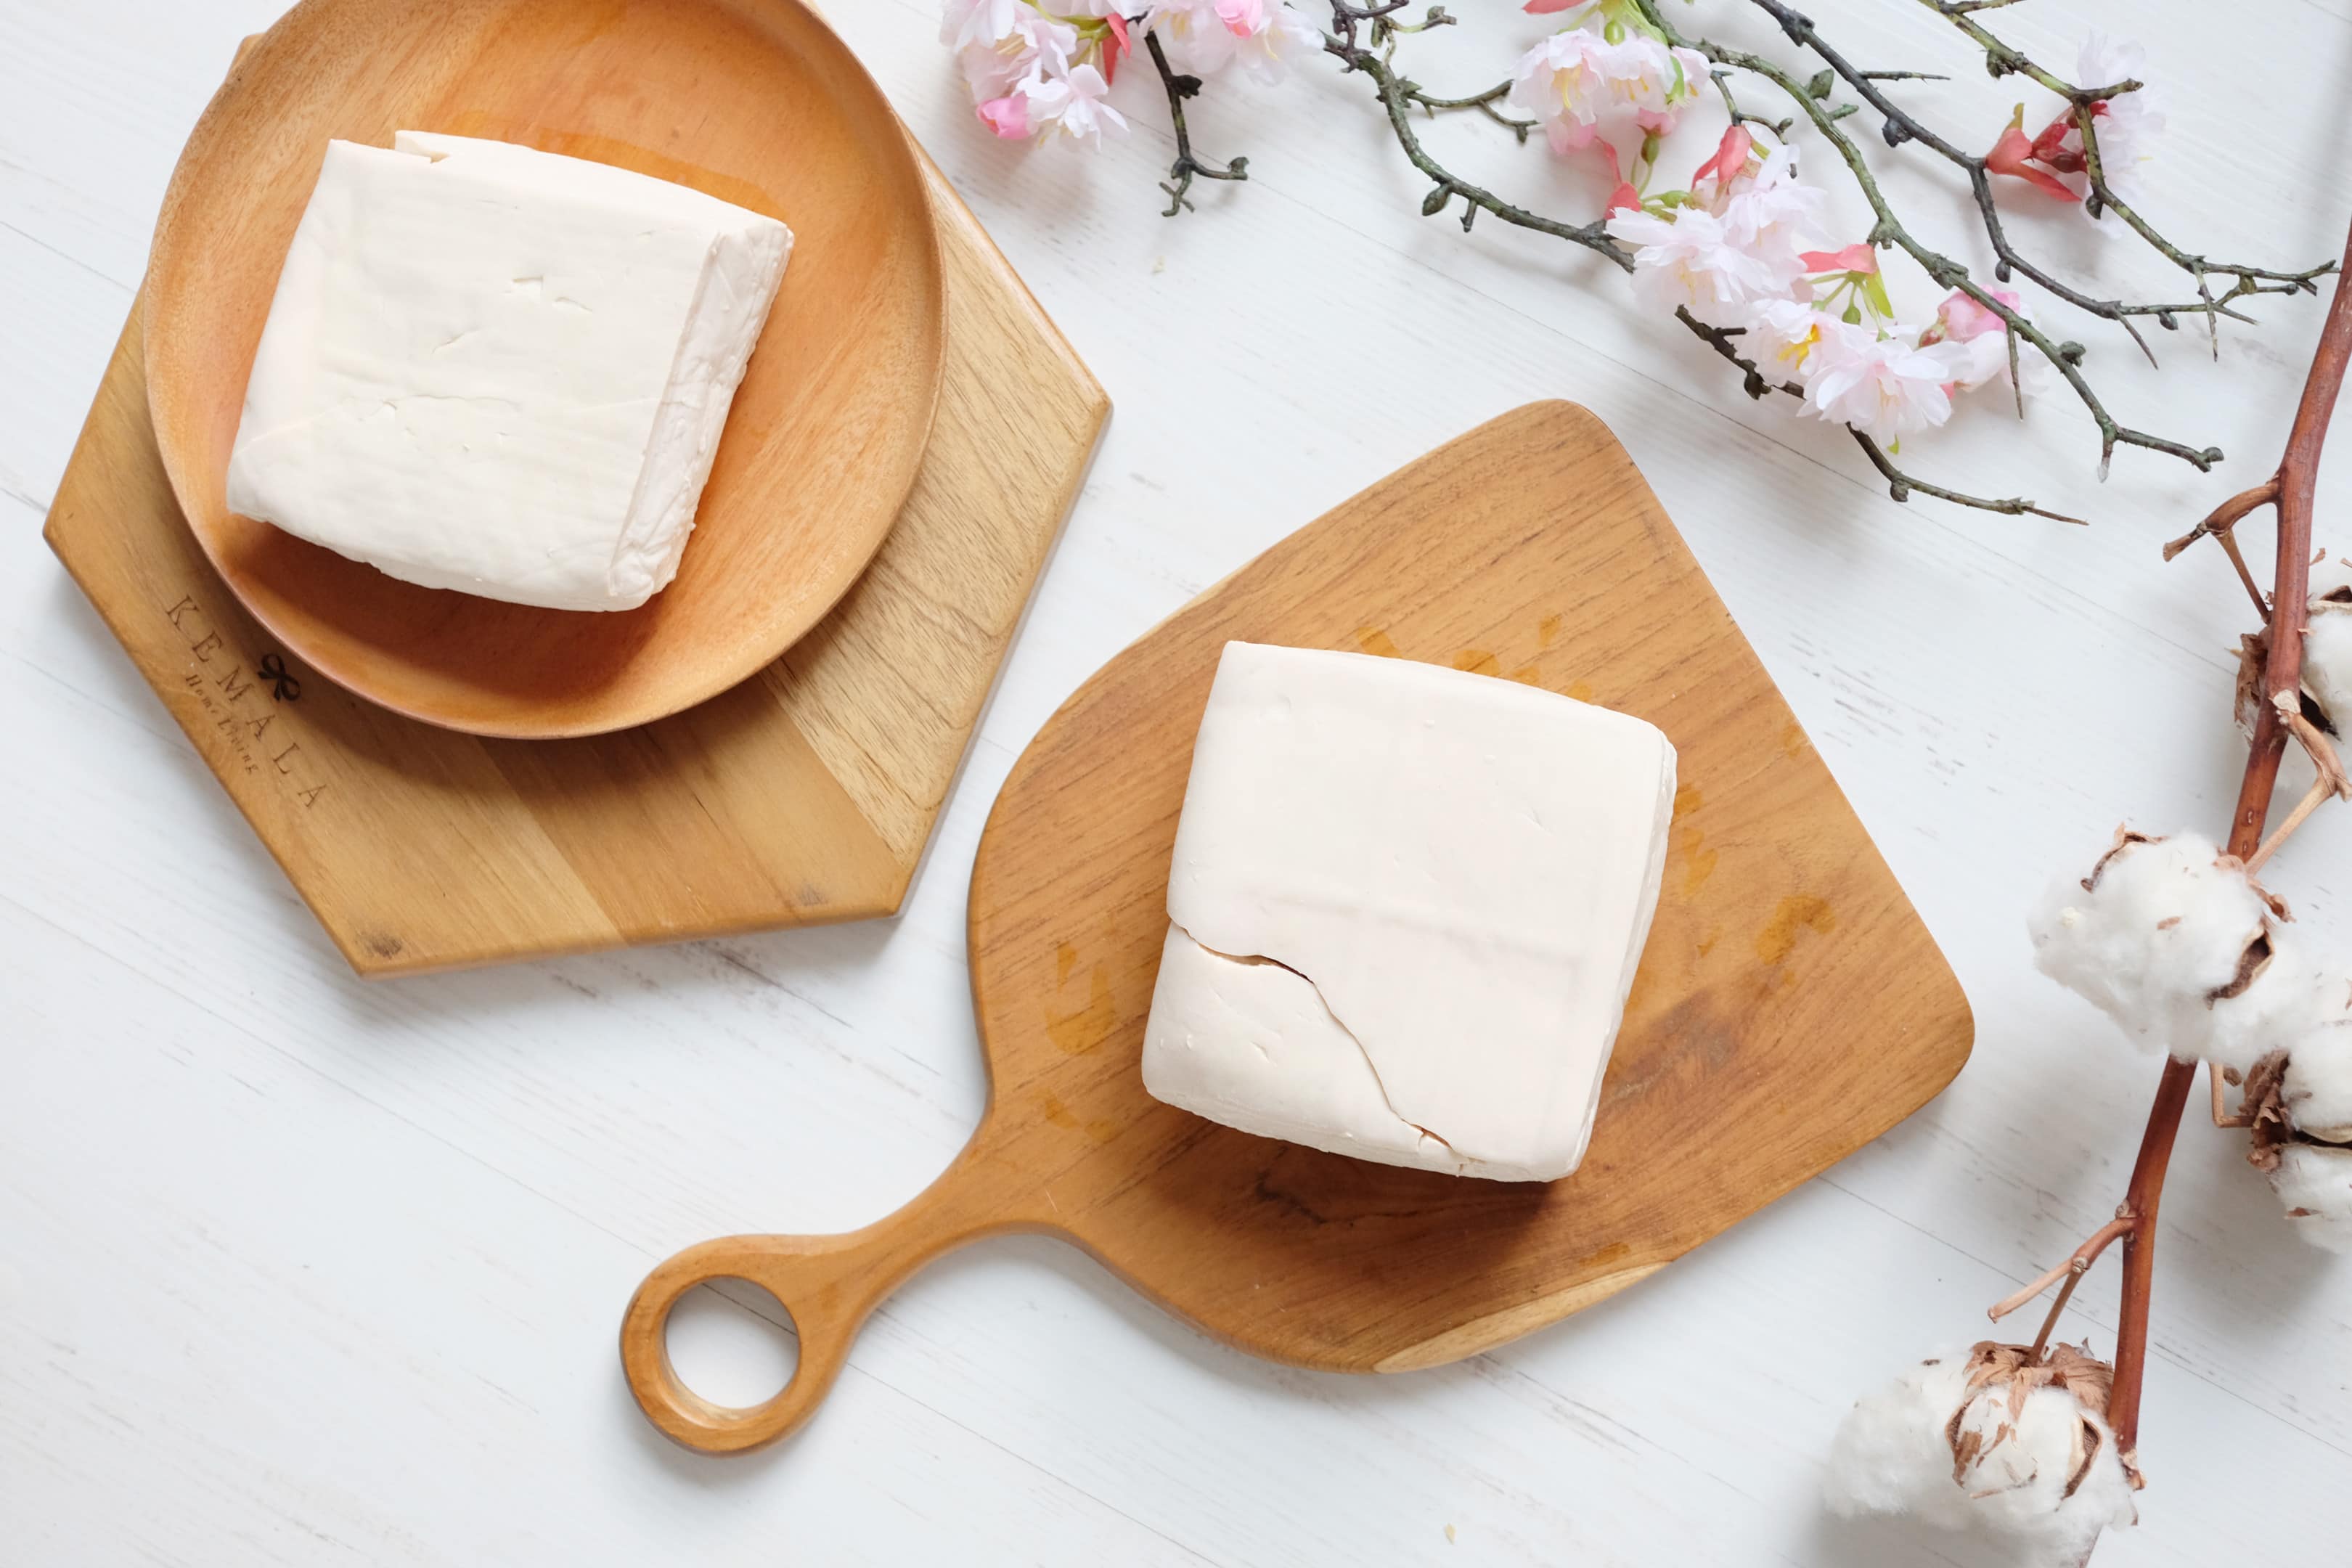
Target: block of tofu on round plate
<point x="502" y="371"/>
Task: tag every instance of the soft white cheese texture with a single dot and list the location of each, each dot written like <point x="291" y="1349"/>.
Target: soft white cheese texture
<point x="1406" y="906"/>
<point x="502" y="371"/>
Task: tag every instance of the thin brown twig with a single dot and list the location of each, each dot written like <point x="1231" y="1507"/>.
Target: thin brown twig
<point x="2078" y="1263"/>
<point x="2221" y="1116"/>
<point x="2313" y="798"/>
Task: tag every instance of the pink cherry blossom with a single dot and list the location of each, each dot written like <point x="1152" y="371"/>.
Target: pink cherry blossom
<point x="2127" y="125"/>
<point x="1118" y="48"/>
<point x="2014" y="154"/>
<point x="1855" y="258"/>
<point x="1728" y="164"/>
<point x="1962" y="320"/>
<point x="1007" y="116"/>
<point x="1981" y="331"/>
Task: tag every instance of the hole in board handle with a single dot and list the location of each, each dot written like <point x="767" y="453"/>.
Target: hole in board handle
<point x="730" y="1341"/>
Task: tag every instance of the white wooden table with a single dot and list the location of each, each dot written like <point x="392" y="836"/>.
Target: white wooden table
<point x="296" y="1269"/>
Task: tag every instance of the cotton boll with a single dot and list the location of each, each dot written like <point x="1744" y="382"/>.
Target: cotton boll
<point x="1993" y="1443"/>
<point x="1891" y="1455"/>
<point x="2315" y="1182"/>
<point x="2175" y="943"/>
<point x="2318" y="1090"/>
<point x="2328" y="659"/>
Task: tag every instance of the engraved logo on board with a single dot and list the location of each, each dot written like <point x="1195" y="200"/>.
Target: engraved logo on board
<point x="241" y="701"/>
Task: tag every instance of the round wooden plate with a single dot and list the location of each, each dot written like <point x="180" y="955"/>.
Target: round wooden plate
<point x="1790" y="1006"/>
<point x="752" y="100"/>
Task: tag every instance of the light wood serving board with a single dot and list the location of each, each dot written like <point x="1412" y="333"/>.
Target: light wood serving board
<point x="1790" y="1006"/>
<point x="806" y="794"/>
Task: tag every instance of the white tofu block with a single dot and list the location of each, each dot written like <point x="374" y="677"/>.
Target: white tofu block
<point x="1406" y="906"/>
<point x="502" y="371"/>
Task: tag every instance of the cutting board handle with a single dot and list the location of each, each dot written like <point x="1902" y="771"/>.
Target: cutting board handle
<point x="828" y="1283"/>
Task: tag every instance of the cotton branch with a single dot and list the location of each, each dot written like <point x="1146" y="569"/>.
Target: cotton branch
<point x="2291" y="490"/>
<point x="1180" y="172"/>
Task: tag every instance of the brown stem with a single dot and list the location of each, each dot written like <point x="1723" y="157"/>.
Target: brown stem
<point x="2297" y="479"/>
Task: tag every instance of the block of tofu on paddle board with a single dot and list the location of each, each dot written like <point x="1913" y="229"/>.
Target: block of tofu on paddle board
<point x="1406" y="908"/>
<point x="502" y="371"/>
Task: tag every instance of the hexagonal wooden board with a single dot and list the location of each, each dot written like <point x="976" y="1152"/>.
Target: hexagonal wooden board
<point x="804" y="795"/>
<point x="1789" y="1005"/>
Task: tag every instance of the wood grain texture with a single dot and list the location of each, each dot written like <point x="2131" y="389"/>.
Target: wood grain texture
<point x="754" y="102"/>
<point x="1789" y="1008"/>
<point x="802" y="795"/>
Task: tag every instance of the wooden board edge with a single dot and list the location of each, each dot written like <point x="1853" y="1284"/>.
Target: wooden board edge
<point x="1485" y="1333"/>
<point x="1099" y="413"/>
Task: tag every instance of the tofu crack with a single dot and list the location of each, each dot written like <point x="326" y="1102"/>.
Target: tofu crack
<point x="1370" y="1065"/>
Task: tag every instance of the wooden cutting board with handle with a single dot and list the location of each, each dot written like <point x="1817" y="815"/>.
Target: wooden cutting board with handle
<point x="1790" y="1007"/>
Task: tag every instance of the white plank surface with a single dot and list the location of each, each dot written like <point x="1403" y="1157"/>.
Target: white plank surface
<point x="297" y="1269"/>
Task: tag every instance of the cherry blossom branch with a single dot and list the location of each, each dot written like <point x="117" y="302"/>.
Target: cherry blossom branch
<point x="2002" y="59"/>
<point x="1900" y="127"/>
<point x="1372" y="58"/>
<point x="1399" y="95"/>
<point x="1182" y="171"/>
<point x="1484" y="102"/>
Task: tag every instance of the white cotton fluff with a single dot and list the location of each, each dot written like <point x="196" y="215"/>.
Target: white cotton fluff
<point x="2156" y="932"/>
<point x="1894" y="1455"/>
<point x="2328" y="660"/>
<point x="2314" y="1182"/>
<point x="2317" y="1087"/>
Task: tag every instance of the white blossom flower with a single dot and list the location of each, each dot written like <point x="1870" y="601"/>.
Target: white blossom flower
<point x="1783" y="333"/>
<point x="1030" y="44"/>
<point x="985" y="22"/>
<point x="1072" y="103"/>
<point x="1721" y="263"/>
<point x="1993" y="1443"/>
<point x="1578" y="84"/>
<point x="1693" y="261"/>
<point x="1881" y="383"/>
<point x="1961" y="320"/>
<point x="2314" y="1180"/>
<point x="1266" y="38"/>
<point x="2127" y="125"/>
<point x="1777" y="220"/>
<point x="2172" y="940"/>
